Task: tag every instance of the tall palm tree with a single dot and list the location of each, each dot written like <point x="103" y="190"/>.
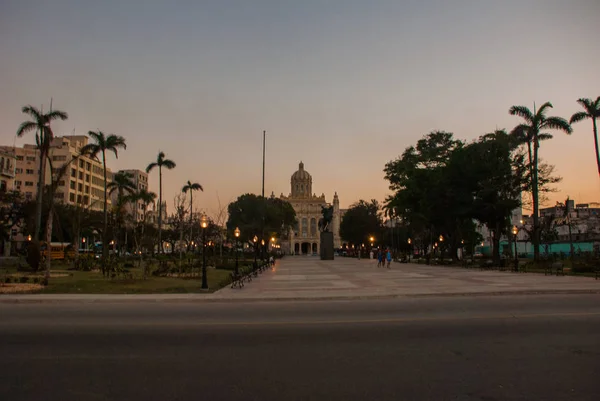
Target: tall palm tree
<point x="592" y="111"/>
<point x="531" y="132"/>
<point x="160" y="163"/>
<point x="102" y="144"/>
<point x="191" y="187"/>
<point x="123" y="184"/>
<point x="40" y="123"/>
<point x="146" y="198"/>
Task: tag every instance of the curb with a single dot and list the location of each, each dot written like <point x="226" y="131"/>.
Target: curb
<point x="200" y="299"/>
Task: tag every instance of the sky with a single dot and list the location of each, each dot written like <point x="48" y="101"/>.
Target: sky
<point x="344" y="86"/>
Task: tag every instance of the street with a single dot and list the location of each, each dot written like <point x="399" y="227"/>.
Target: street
<point x="453" y="348"/>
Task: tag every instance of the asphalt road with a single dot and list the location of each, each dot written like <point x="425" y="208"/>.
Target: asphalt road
<point x="461" y="348"/>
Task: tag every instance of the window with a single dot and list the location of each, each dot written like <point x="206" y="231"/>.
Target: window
<point x="81" y="175"/>
<point x="72" y="197"/>
<point x="18" y="183"/>
<point x="80" y="163"/>
<point x="313" y="227"/>
<point x="88" y="166"/>
<point x="61" y="183"/>
<point x="87" y="189"/>
<point x="30" y="158"/>
<point x="20" y="158"/>
<point x="80" y="187"/>
<point x="73" y="173"/>
<point x="59" y="158"/>
<point x="79" y="198"/>
<point x="29" y="171"/>
<point x="304" y="227"/>
<point x="72" y="185"/>
<point x="28" y="183"/>
<point x="2" y="185"/>
<point x="19" y="170"/>
<point x="87" y="178"/>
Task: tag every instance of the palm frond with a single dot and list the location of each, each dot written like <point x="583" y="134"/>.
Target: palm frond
<point x="169" y="164"/>
<point x="557" y="123"/>
<point x="521" y="111"/>
<point x="91" y="150"/>
<point x="151" y="166"/>
<point x="32" y="111"/>
<point x="543" y="107"/>
<point x="579" y="116"/>
<point x="26" y="127"/>
<point x="544" y="136"/>
<point x="56" y="115"/>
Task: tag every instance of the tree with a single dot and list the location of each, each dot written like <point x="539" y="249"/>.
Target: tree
<point x="531" y="132"/>
<point x="40" y="123"/>
<point x="191" y="187"/>
<point x="592" y="111"/>
<point x="146" y="197"/>
<point x="123" y="184"/>
<point x="11" y="214"/>
<point x="104" y="143"/>
<point x="247" y="213"/>
<point x="160" y="163"/>
<point x="361" y="221"/>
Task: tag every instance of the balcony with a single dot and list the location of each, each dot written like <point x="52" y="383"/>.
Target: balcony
<point x="7" y="172"/>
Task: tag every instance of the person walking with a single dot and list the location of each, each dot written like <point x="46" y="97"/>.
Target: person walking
<point x="389" y="258"/>
<point x="379" y="258"/>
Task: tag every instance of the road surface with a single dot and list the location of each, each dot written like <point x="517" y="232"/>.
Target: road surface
<point x="453" y="348"/>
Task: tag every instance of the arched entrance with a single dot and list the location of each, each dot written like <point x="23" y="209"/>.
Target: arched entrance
<point x="296" y="249"/>
<point x="305" y="248"/>
<point x="314" y="248"/>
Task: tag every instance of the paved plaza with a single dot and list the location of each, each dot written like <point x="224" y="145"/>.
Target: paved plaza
<point x="307" y="277"/>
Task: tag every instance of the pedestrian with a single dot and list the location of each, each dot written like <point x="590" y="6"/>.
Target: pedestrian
<point x="389" y="258"/>
<point x="379" y="258"/>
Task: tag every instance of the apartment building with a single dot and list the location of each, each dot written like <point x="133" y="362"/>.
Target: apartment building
<point x="140" y="179"/>
<point x="83" y="182"/>
<point x="7" y="170"/>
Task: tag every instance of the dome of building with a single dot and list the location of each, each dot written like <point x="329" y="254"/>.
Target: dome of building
<point x="301" y="183"/>
<point x="301" y="174"/>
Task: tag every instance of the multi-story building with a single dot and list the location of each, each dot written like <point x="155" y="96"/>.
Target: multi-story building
<point x="140" y="179"/>
<point x="7" y="170"/>
<point x="81" y="184"/>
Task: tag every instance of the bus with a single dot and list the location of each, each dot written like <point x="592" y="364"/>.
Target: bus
<point x="58" y="250"/>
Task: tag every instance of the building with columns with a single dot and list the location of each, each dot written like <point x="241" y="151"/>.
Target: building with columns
<point x="304" y="239"/>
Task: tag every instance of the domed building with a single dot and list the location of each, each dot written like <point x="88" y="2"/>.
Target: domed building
<point x="305" y="238"/>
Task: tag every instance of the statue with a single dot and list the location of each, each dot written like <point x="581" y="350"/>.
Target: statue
<point x="325" y="221"/>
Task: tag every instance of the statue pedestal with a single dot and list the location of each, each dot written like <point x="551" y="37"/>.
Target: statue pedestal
<point x="326" y="246"/>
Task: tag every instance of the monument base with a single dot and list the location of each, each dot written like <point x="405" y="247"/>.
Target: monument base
<point x="326" y="246"/>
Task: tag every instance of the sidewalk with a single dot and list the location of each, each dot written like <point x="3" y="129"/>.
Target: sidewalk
<point x="308" y="278"/>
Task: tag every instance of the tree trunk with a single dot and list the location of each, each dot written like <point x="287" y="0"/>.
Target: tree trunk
<point x="105" y="231"/>
<point x="534" y="192"/>
<point x="596" y="143"/>
<point x="572" y="248"/>
<point x="496" y="244"/>
<point x="160" y="246"/>
<point x="40" y="194"/>
<point x="191" y="213"/>
<point x="48" y="241"/>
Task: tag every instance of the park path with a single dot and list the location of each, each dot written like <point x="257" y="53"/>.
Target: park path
<point x="307" y="277"/>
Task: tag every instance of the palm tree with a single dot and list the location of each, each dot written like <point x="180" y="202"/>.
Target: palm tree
<point x="531" y="132"/>
<point x="146" y="198"/>
<point x="191" y="187"/>
<point x="592" y="111"/>
<point x="104" y="143"/>
<point x="160" y="163"/>
<point x="40" y="123"/>
<point x="122" y="183"/>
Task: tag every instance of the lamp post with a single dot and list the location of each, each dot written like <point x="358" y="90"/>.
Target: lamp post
<point x="409" y="248"/>
<point x="204" y="225"/>
<point x="372" y="241"/>
<point x="255" y="240"/>
<point x="262" y="247"/>
<point x="236" y="232"/>
<point x="515" y="231"/>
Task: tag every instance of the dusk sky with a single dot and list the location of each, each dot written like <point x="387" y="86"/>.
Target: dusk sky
<point x="343" y="86"/>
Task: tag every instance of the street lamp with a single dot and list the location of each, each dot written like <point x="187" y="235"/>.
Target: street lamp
<point x="409" y="248"/>
<point x="236" y="232"/>
<point x="372" y="241"/>
<point x="204" y="225"/>
<point x="29" y="238"/>
<point x="255" y="240"/>
<point x="515" y="231"/>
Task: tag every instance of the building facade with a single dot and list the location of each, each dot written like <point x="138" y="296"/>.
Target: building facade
<point x="140" y="179"/>
<point x="8" y="163"/>
<point x="305" y="238"/>
<point x="83" y="182"/>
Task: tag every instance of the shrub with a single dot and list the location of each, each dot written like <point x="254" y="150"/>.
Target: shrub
<point x="23" y="279"/>
<point x="582" y="268"/>
<point x="7" y="280"/>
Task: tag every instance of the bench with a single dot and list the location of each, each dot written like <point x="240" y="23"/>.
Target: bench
<point x="555" y="266"/>
<point x="237" y="280"/>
